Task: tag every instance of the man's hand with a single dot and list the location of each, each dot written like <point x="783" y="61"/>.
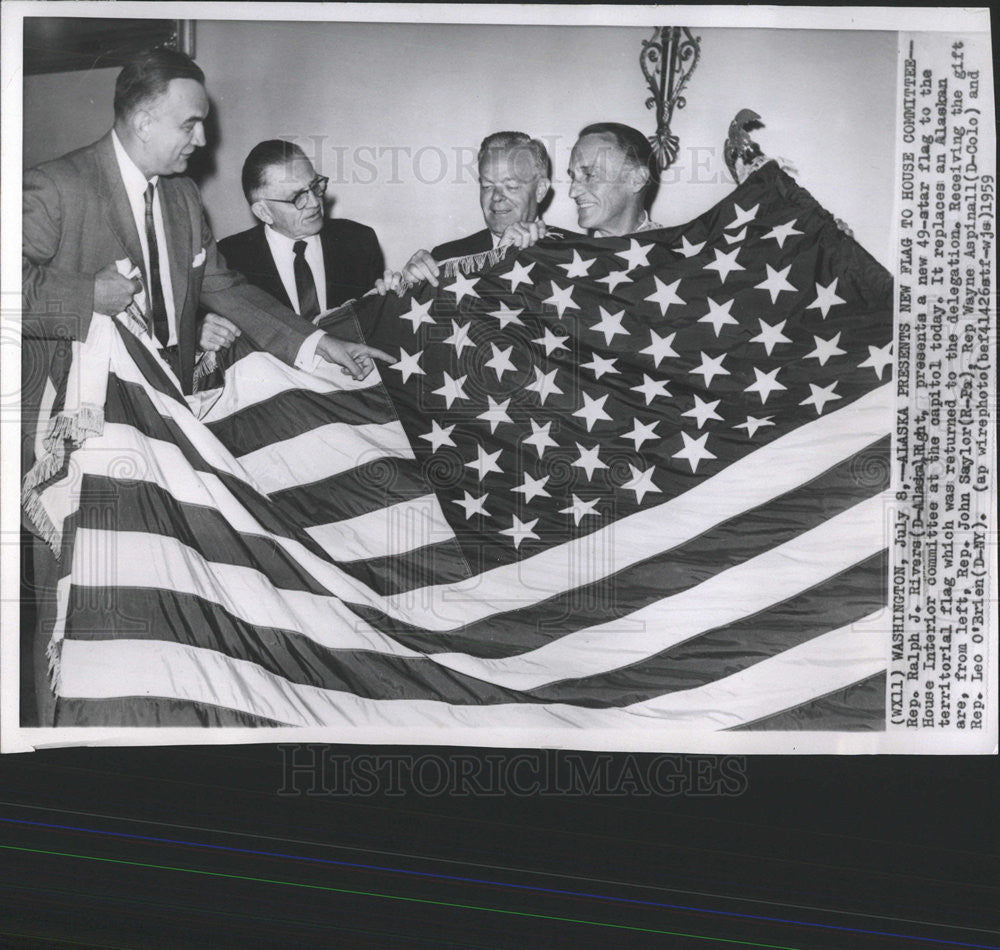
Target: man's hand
<point x="390" y="280"/>
<point x="523" y="234"/>
<point x="217" y="333"/>
<point x="422" y="267"/>
<point x="356" y="359"/>
<point x="112" y="292"/>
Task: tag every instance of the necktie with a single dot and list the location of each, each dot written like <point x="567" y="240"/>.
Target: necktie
<point x="157" y="308"/>
<point x="305" y="285"/>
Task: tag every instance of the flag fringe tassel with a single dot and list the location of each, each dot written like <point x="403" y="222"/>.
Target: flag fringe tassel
<point x="472" y="263"/>
<point x="53" y="653"/>
<point x="74" y="427"/>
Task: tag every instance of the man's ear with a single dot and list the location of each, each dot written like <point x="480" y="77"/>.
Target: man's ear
<point x="262" y="212"/>
<point x="542" y="189"/>
<point x="638" y="178"/>
<point x="139" y="122"/>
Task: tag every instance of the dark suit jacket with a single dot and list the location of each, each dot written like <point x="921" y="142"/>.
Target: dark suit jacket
<point x="77" y="219"/>
<point x="478" y="243"/>
<point x="462" y="247"/>
<point x="351" y="255"/>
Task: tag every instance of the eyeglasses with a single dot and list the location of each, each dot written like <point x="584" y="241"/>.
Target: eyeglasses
<point x="300" y="199"/>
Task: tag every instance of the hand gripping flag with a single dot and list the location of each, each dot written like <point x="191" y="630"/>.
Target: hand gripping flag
<point x="633" y="483"/>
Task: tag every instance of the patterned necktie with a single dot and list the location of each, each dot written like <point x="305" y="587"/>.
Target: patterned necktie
<point x="157" y="308"/>
<point x="305" y="285"/>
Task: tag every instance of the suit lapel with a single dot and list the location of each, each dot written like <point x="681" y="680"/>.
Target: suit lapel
<point x="263" y="264"/>
<point x="481" y="242"/>
<point x="118" y="213"/>
<point x="331" y="260"/>
<point x="180" y="253"/>
<point x="117" y="210"/>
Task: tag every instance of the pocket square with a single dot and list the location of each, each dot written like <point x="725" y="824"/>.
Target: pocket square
<point x="199" y="258"/>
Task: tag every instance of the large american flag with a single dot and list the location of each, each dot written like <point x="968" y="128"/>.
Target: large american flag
<point x="625" y="483"/>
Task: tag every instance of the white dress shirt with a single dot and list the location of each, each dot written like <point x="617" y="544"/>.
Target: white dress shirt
<point x="644" y="225"/>
<point x="282" y="250"/>
<point x="135" y="187"/>
<point x="647" y="224"/>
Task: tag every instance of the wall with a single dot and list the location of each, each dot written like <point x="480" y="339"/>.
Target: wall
<point x="393" y="114"/>
<point x="63" y="111"/>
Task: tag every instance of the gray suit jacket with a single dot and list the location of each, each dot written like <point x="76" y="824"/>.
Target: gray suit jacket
<point x="77" y="219"/>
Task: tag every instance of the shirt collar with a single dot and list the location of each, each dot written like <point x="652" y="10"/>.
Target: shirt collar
<point x="646" y="224"/>
<point x="282" y="243"/>
<point x="135" y="181"/>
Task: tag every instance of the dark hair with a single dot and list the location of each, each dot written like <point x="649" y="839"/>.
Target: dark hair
<point x="262" y="156"/>
<point x="148" y="75"/>
<point x="631" y="141"/>
<point x="500" y="142"/>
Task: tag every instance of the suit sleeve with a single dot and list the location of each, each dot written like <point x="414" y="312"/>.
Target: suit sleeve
<point x="270" y="325"/>
<point x="376" y="262"/>
<point x="57" y="303"/>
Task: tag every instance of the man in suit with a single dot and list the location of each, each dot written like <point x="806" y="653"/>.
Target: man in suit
<point x="514" y="179"/>
<point x="307" y="261"/>
<point x="613" y="176"/>
<point x="123" y="199"/>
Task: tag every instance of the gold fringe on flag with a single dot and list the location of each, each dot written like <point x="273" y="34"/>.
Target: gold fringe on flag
<point x="73" y="427"/>
<point x="473" y="262"/>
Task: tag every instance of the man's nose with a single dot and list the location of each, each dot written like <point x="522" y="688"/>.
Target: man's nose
<point x="198" y="139"/>
<point x="575" y="190"/>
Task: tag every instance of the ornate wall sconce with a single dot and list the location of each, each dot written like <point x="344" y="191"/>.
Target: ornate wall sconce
<point x="667" y="61"/>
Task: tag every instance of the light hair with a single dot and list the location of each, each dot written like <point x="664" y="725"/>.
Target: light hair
<point x="501" y="143"/>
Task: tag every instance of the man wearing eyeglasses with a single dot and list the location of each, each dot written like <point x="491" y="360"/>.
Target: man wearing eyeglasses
<point x="309" y="262"/>
<point x="116" y="218"/>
